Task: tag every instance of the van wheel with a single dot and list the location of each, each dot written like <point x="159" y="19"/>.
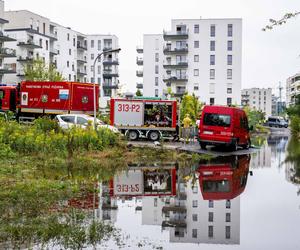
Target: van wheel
<point x="203" y="145"/>
<point x="133" y="135"/>
<point x="153" y="136"/>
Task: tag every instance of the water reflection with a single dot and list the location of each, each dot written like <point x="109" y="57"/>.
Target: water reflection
<point x="200" y="206"/>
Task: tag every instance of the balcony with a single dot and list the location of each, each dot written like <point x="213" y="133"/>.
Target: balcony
<point x="29" y="44"/>
<point x="81" y="60"/>
<point x="110" y="74"/>
<point x="139" y="86"/>
<point x="8" y="68"/>
<point x="139" y="61"/>
<point x="53" y="52"/>
<point x="176" y="78"/>
<point x="174" y="208"/>
<point x="168" y="50"/>
<point x="174" y="223"/>
<point x="139" y="49"/>
<point x="139" y="73"/>
<point x="6" y="52"/>
<point x="81" y="46"/>
<point x="170" y="35"/>
<point x="81" y="72"/>
<point x="110" y="62"/>
<point x="20" y="73"/>
<point x="107" y="47"/>
<point x="53" y="36"/>
<point x="5" y="38"/>
<point x="24" y="59"/>
<point x="180" y="92"/>
<point x="177" y="65"/>
<point x="106" y="85"/>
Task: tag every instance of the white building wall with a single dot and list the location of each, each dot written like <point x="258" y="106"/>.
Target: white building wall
<point x="259" y="99"/>
<point x="292" y="89"/>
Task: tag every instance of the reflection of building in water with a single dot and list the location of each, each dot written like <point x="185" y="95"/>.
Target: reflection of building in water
<point x="277" y="143"/>
<point x="152" y="210"/>
<point x="262" y="158"/>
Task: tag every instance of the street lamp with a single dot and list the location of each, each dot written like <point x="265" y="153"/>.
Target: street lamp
<point x="94" y="77"/>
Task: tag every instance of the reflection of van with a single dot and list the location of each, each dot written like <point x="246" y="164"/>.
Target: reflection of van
<point x="224" y="178"/>
<point x="224" y="126"/>
<point x="277" y="121"/>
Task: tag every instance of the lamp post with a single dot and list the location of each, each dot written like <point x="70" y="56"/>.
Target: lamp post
<point x="94" y="77"/>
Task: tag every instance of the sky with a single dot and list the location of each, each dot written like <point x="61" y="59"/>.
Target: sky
<point x="267" y="58"/>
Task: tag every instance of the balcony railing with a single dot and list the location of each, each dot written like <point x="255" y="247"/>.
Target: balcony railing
<point x="30" y="44"/>
<point x="180" y="64"/>
<point x="139" y="73"/>
<point x="53" y="35"/>
<point x="106" y="85"/>
<point x="176" y="78"/>
<point x="81" y="46"/>
<point x="25" y="59"/>
<point x="184" y="34"/>
<point x="81" y="60"/>
<point x="107" y="47"/>
<point x="168" y="50"/>
<point x="54" y="51"/>
<point x="110" y="73"/>
<point x="110" y="62"/>
<point x="139" y="86"/>
<point x="139" y="49"/>
<point x="5" y="38"/>
<point x="8" y="68"/>
<point x="6" y="52"/>
<point x="139" y="61"/>
<point x="180" y="92"/>
<point x="81" y="72"/>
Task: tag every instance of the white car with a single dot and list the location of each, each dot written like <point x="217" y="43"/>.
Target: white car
<point x="81" y="120"/>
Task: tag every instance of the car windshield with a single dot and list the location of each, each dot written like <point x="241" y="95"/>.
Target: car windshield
<point x="217" y="120"/>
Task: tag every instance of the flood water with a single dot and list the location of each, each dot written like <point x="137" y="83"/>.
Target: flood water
<point x="245" y="202"/>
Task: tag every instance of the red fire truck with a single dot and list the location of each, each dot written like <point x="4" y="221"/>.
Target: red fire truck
<point x="152" y="118"/>
<point x="34" y="99"/>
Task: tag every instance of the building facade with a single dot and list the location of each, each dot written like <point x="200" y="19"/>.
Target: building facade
<point x="259" y="99"/>
<point x="200" y="56"/>
<point x="292" y="89"/>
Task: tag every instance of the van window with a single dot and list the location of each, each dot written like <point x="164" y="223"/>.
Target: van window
<point x="217" y="120"/>
<point x="216" y="186"/>
<point x="2" y="94"/>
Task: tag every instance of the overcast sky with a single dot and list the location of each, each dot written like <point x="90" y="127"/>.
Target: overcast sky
<point x="268" y="57"/>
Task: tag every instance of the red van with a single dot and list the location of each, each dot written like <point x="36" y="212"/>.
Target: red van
<point x="222" y="125"/>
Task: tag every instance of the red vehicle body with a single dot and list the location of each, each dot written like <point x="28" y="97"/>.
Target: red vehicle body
<point x="221" y="125"/>
<point x="224" y="178"/>
<point x="39" y="98"/>
<point x="144" y="117"/>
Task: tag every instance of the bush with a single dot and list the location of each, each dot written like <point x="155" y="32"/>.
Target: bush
<point x="295" y="125"/>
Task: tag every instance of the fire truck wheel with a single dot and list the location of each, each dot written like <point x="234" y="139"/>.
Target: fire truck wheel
<point x="153" y="135"/>
<point x="133" y="135"/>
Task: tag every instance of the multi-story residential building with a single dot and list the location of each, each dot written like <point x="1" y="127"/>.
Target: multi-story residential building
<point x="259" y="99"/>
<point x="292" y="89"/>
<point x="201" y="56"/>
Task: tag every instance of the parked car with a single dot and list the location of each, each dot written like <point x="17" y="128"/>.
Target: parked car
<point x="222" y="125"/>
<point x="81" y="120"/>
<point x="277" y="121"/>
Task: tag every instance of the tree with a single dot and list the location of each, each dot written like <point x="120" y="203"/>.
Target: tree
<point x="255" y="117"/>
<point x="138" y="93"/>
<point x="273" y="23"/>
<point x="39" y="71"/>
<point x="191" y="105"/>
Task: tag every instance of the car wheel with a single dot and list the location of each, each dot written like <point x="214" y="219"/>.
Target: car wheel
<point x="153" y="136"/>
<point x="133" y="135"/>
<point x="203" y="145"/>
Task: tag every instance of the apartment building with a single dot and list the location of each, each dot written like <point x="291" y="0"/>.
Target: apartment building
<point x="259" y="99"/>
<point x="292" y="89"/>
<point x="200" y="56"/>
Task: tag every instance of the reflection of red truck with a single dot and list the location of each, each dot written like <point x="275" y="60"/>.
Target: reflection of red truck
<point x="32" y="99"/>
<point x="151" y="118"/>
<point x="224" y="178"/>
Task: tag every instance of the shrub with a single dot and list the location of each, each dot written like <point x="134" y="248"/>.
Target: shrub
<point x="295" y="125"/>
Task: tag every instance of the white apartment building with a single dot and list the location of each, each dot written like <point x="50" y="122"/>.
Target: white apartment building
<point x="201" y="56"/>
<point x="292" y="89"/>
<point x="259" y="99"/>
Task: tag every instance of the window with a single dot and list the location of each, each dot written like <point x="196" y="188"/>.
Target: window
<point x="210" y="216"/>
<point x="70" y="52"/>
<point x="156" y="69"/>
<point x="196" y="72"/>
<point x="229" y="45"/>
<point x="92" y="43"/>
<point x="195" y="217"/>
<point x="156" y="44"/>
<point x="41" y="42"/>
<point x="92" y="80"/>
<point x="212" y="30"/>
<point x="228" y="204"/>
<point x="194" y="233"/>
<point x="74" y="42"/>
<point x="156" y="81"/>
<point x="92" y="68"/>
<point x="212" y="45"/>
<point x="229" y="90"/>
<point x="229" y="101"/>
<point x="229" y="74"/>
<point x="229" y="59"/>
<point x="99" y="69"/>
<point x="68" y="118"/>
<point x="82" y="121"/>
<point x="216" y="120"/>
<point x="196" y="58"/>
<point x="156" y="57"/>
<point x="195" y="189"/>
<point x="68" y="64"/>
<point x="99" y="80"/>
<point x="229" y="30"/>
<point x="68" y="37"/>
<point x="155" y="202"/>
<point x="212" y="74"/>
<point x="73" y="67"/>
<point x="211" y="88"/>
<point x="196" y="87"/>
<point x="195" y="203"/>
<point x="210" y="231"/>
<point x="212" y="60"/>
<point x="211" y="102"/>
<point x="196" y="44"/>
<point x="227" y="232"/>
<point x="69" y="77"/>
<point x="92" y="56"/>
<point x="196" y="28"/>
<point x="47" y="45"/>
<point x="99" y="44"/>
<point x="156" y="93"/>
<point x="228" y="217"/>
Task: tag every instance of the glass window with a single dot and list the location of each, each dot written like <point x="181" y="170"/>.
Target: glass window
<point x="196" y="28"/>
<point x="196" y="88"/>
<point x="228" y="204"/>
<point x="229" y="101"/>
<point x="92" y="44"/>
<point x="212" y="45"/>
<point x="196" y="58"/>
<point x="229" y="45"/>
<point x="155" y="202"/>
<point x="229" y="73"/>
<point x="99" y="44"/>
<point x="227" y="232"/>
<point x="210" y="203"/>
<point x="156" y="81"/>
<point x="212" y="30"/>
<point x="229" y="59"/>
<point x="196" y="72"/>
<point x="68" y="37"/>
<point x="211" y="88"/>
<point x="156" y="93"/>
<point x="212" y="59"/>
<point x="229" y="30"/>
<point x="99" y="69"/>
<point x="210" y="231"/>
<point x="69" y="77"/>
<point x="68" y="118"/>
<point x="92" y="56"/>
<point x="210" y="216"/>
<point x="211" y="101"/>
<point x="228" y="217"/>
<point x="195" y="217"/>
<point x="194" y="233"/>
<point x="212" y="74"/>
<point x="195" y="203"/>
<point x="156" y="69"/>
<point x="229" y="90"/>
<point x="216" y="120"/>
<point x="156" y="57"/>
<point x="68" y="64"/>
<point x="196" y="44"/>
<point x="82" y="121"/>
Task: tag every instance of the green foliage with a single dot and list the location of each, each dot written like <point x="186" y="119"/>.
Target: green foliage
<point x="39" y="71"/>
<point x="139" y="93"/>
<point x="191" y="105"/>
<point x="295" y="126"/>
<point x="255" y="117"/>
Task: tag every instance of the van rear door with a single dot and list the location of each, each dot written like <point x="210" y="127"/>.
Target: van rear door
<point x="217" y="124"/>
